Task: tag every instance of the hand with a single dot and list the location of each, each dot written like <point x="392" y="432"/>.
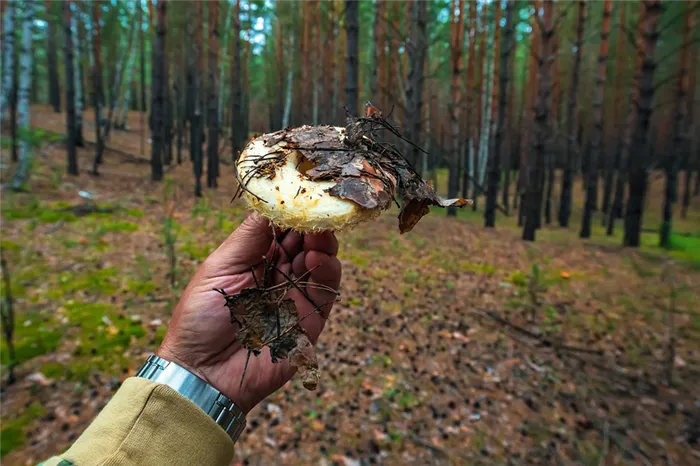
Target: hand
<point x="201" y="338"/>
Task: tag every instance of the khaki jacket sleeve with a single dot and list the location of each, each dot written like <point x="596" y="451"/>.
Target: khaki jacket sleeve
<point x="145" y="424"/>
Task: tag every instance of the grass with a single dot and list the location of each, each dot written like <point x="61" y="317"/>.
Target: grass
<point x="12" y="432"/>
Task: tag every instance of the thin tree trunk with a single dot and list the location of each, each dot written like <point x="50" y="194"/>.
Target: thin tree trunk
<point x="457" y="14"/>
<point x="597" y="136"/>
<point x="14" y="133"/>
<point x="97" y="83"/>
<point x="536" y="166"/>
<point x="21" y="178"/>
<point x="121" y="122"/>
<point x="158" y="102"/>
<point x="118" y="79"/>
<point x="352" y="71"/>
<point x="495" y="159"/>
<point x="8" y="54"/>
<point x="377" y="75"/>
<point x="222" y="63"/>
<point x="689" y="160"/>
<point x="681" y="127"/>
<point x="414" y="89"/>
<point x="613" y="157"/>
<point x="70" y="92"/>
<point x="507" y="163"/>
<point x="237" y="138"/>
<point x="213" y="117"/>
<point x="638" y="169"/>
<point x="290" y="84"/>
<point x="78" y="86"/>
<point x="470" y="90"/>
<point x="52" y="60"/>
<point x="572" y="149"/>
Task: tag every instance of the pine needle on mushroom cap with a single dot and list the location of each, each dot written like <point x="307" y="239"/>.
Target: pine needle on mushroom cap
<point x="317" y="178"/>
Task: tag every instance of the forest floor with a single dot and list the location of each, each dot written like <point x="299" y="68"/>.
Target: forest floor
<point x="452" y="344"/>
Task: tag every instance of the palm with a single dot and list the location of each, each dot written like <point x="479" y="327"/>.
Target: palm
<point x="201" y="337"/>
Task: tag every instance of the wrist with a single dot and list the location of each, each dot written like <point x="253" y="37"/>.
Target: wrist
<point x="211" y="401"/>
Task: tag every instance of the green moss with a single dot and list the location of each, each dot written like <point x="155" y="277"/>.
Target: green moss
<point x="137" y="213"/>
<point x="518" y="278"/>
<point x="34" y="336"/>
<point x="411" y="276"/>
<point x="113" y="226"/>
<point x="141" y="288"/>
<point x="196" y="251"/>
<point x="17" y="208"/>
<point x="359" y="261"/>
<point x="12" y="432"/>
<point x="100" y="282"/>
<point x="483" y="269"/>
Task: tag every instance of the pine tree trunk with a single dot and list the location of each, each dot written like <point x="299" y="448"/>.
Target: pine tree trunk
<point x="457" y="14"/>
<point x="97" y="84"/>
<point x="597" y="136"/>
<point x="8" y="54"/>
<point x="78" y="84"/>
<point x="222" y="64"/>
<point x="510" y="145"/>
<point x="572" y="150"/>
<point x="495" y="159"/>
<point x="70" y="92"/>
<point x="612" y="164"/>
<point x="352" y="70"/>
<point x="13" y="97"/>
<point x="194" y="111"/>
<point x="536" y="166"/>
<point x="213" y="117"/>
<point x="158" y="100"/>
<point x="379" y="52"/>
<point x="688" y="159"/>
<point x="21" y="177"/>
<point x="142" y="65"/>
<point x="52" y="60"/>
<point x="681" y="127"/>
<point x="414" y="87"/>
<point x="470" y="90"/>
<point x="237" y="138"/>
<point x="638" y="168"/>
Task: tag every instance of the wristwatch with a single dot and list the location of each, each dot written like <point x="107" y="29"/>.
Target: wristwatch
<point x="217" y="406"/>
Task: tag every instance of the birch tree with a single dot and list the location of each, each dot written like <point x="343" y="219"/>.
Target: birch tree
<point x="25" y="85"/>
<point x="8" y="52"/>
<point x="78" y="85"/>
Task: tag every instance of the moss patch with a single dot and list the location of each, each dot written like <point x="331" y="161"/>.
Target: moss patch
<point x="12" y="432"/>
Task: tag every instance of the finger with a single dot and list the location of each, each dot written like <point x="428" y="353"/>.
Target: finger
<point x="292" y="244"/>
<point x="299" y="264"/>
<point x="325" y="270"/>
<point x="242" y="249"/>
<point x="325" y="242"/>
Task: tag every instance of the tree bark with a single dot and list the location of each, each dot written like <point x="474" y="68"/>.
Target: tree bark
<point x="237" y="137"/>
<point x="119" y="74"/>
<point x="495" y="159"/>
<point x="597" y="136"/>
<point x="352" y="71"/>
<point x="681" y="127"/>
<point x="52" y="60"/>
<point x="536" y="166"/>
<point x="70" y="92"/>
<point x="78" y="86"/>
<point x="158" y="99"/>
<point x="638" y="168"/>
<point x="457" y="14"/>
<point x="572" y="149"/>
<point x="8" y="55"/>
<point x="21" y="177"/>
<point x="470" y="90"/>
<point x="97" y="83"/>
<point x="690" y="160"/>
<point x="416" y="49"/>
<point x="377" y="77"/>
<point x="213" y="117"/>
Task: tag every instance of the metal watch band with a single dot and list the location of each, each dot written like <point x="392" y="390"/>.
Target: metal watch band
<point x="217" y="406"/>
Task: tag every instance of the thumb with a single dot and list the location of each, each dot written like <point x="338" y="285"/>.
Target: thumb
<point x="243" y="248"/>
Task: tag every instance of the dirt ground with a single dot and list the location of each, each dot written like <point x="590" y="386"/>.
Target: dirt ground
<point x="452" y="344"/>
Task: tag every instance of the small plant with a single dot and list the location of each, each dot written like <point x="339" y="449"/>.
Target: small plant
<point x="535" y="286"/>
